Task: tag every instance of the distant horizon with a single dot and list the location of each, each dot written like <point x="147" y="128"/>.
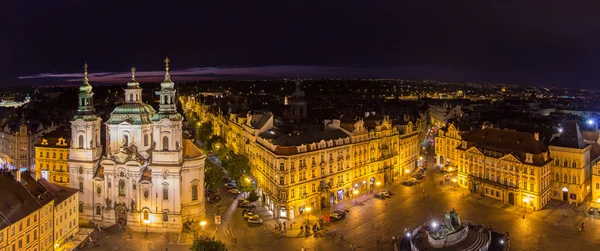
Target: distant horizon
<point x="248" y="74"/>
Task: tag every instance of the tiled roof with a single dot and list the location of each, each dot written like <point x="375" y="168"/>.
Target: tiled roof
<point x="60" y="192"/>
<point x="570" y="137"/>
<point x="508" y="140"/>
<point x="18" y="203"/>
<point x="52" y="138"/>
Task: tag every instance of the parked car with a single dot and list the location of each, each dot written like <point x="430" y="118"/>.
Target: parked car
<point x="255" y="221"/>
<point x="592" y="210"/>
<point x="234" y="191"/>
<point x="230" y="185"/>
<point x="385" y="194"/>
<point x="378" y="196"/>
<point x="326" y="218"/>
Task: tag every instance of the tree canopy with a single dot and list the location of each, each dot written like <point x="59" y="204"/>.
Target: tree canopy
<point x="237" y="166"/>
<point x="213" y="175"/>
<point x="205" y="243"/>
<point x="252" y="196"/>
<point x="205" y="131"/>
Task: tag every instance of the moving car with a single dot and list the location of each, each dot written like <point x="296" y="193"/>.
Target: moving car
<point x="385" y="194"/>
<point x="234" y="191"/>
<point x="378" y="196"/>
<point x="247" y="215"/>
<point x="343" y="213"/>
<point x="255" y="221"/>
<point x="214" y="199"/>
<point x="387" y="191"/>
<point x="338" y="216"/>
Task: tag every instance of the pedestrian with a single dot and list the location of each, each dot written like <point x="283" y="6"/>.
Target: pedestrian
<point x="283" y="226"/>
<point x="582" y="227"/>
<point x="393" y="239"/>
<point x="342" y="237"/>
<point x="301" y="228"/>
<point x="302" y="249"/>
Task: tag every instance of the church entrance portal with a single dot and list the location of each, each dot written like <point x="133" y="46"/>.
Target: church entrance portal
<point x="565" y="194"/>
<point x="120" y="214"/>
<point x="511" y="198"/>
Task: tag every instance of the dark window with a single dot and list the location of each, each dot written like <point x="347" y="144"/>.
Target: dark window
<point x="165" y="216"/>
<point x="165" y="143"/>
<point x="80" y="186"/>
<point x="194" y="192"/>
<point x="80" y="143"/>
<point x="98" y="210"/>
<point x="146" y="140"/>
<point x="165" y="193"/>
<point x="81" y="207"/>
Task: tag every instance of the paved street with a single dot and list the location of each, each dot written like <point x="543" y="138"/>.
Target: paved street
<point x="554" y="228"/>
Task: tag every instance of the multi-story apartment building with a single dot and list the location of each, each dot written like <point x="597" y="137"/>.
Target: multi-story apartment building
<point x="295" y="171"/>
<point x="17" y="140"/>
<point x="29" y="211"/>
<point x="52" y="154"/>
<point x="446" y="143"/>
<point x="65" y="213"/>
<point x="595" y="185"/>
<point x="573" y="157"/>
<point x="513" y="167"/>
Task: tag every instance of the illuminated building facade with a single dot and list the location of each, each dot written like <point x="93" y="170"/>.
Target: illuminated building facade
<point x="17" y="141"/>
<point x="150" y="177"/>
<point x="52" y="154"/>
<point x="297" y="171"/>
<point x="512" y="167"/>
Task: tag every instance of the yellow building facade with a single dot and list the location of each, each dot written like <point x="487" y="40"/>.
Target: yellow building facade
<point x="52" y="154"/>
<point x="294" y="172"/>
<point x="27" y="223"/>
<point x="595" y="185"/>
<point x="512" y="167"/>
<point x="446" y="144"/>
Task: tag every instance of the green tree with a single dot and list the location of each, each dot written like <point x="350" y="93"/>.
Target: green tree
<point x="205" y="243"/>
<point x="237" y="166"/>
<point x="213" y="175"/>
<point x="252" y="196"/>
<point x="216" y="144"/>
<point x="204" y="131"/>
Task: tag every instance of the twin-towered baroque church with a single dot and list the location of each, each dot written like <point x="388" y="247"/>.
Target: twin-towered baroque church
<point x="148" y="176"/>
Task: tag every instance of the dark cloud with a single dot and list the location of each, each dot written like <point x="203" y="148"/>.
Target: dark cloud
<point x="529" y="42"/>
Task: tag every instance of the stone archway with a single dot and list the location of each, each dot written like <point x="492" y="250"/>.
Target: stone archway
<point x="441" y="160"/>
<point x="323" y="202"/>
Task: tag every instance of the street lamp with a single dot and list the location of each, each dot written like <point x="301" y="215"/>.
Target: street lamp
<point x="147" y="222"/>
<point x="454" y="180"/>
<point x="525" y="201"/>
<point x="308" y="214"/>
<point x="377" y="184"/>
<point x="355" y="192"/>
<point x="203" y="226"/>
<point x="450" y="169"/>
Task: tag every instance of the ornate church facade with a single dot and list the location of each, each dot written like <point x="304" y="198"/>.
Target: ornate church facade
<point x="149" y="177"/>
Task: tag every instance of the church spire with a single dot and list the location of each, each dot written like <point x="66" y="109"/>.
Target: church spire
<point x="132" y="73"/>
<point x="85" y="98"/>
<point x="167" y="75"/>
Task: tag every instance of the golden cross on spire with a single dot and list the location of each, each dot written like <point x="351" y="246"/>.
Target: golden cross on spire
<point x="132" y="73"/>
<point x="167" y="63"/>
<point x="85" y="67"/>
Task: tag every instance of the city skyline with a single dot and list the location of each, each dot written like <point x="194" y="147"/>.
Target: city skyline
<point x="528" y="44"/>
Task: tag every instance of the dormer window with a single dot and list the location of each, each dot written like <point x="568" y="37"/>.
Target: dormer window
<point x="529" y="158"/>
<point x="44" y="142"/>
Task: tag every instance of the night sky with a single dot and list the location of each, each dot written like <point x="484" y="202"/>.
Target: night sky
<point x="552" y="42"/>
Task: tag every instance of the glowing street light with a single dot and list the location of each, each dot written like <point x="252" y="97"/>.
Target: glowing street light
<point x="203" y="225"/>
<point x="590" y="122"/>
<point x="378" y="183"/>
<point x="450" y="169"/>
<point x="454" y="180"/>
<point x="355" y="192"/>
<point x="434" y="224"/>
<point x="147" y="222"/>
<point x="308" y="209"/>
<point x="525" y="201"/>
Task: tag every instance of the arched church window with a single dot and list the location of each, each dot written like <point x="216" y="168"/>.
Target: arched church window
<point x="80" y="141"/>
<point x="98" y="210"/>
<point x="125" y="140"/>
<point x="165" y="143"/>
<point x="121" y="188"/>
<point x="194" y="192"/>
<point x="146" y="215"/>
<point x="80" y="207"/>
<point x="145" y="139"/>
<point x="165" y="216"/>
<point x="130" y="96"/>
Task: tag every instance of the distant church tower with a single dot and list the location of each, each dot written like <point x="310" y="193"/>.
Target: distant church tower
<point x="297" y="102"/>
<point x="86" y="150"/>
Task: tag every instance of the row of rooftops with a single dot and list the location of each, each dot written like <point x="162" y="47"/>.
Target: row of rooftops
<point x="484" y="137"/>
<point x="23" y="195"/>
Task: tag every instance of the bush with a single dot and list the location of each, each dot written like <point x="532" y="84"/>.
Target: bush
<point x="205" y="243"/>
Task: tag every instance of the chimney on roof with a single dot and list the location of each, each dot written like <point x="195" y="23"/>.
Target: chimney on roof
<point x="536" y="136"/>
<point x="18" y="175"/>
